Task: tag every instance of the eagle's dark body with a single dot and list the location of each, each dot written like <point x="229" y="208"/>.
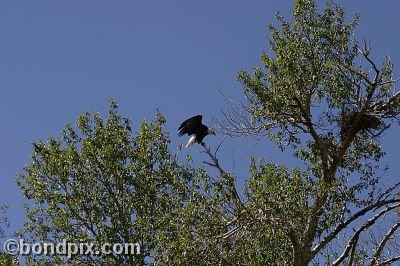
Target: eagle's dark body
<point x="194" y="126"/>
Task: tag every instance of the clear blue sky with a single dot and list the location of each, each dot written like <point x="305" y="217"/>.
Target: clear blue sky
<point x="60" y="58"/>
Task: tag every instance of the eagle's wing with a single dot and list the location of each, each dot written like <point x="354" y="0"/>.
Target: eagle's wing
<point x="190" y="125"/>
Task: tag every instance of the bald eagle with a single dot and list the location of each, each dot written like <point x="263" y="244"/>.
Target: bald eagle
<point x="194" y="127"/>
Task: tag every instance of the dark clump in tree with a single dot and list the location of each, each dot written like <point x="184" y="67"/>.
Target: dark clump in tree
<point x="317" y="92"/>
<point x="355" y="121"/>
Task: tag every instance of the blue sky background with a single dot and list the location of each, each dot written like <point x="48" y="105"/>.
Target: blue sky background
<point x="60" y="58"/>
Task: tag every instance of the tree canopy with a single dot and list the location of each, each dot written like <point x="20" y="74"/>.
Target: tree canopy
<point x="317" y="94"/>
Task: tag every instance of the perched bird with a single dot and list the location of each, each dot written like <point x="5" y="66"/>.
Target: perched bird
<point x="194" y="127"/>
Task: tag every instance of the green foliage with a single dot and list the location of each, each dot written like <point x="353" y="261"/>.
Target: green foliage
<point x="278" y="193"/>
<point x="309" y="79"/>
<point x="3" y="219"/>
<point x="5" y="259"/>
<point x="98" y="184"/>
<point x="302" y="66"/>
<point x="304" y="87"/>
<point x="101" y="183"/>
<point x="8" y="260"/>
<point x="315" y="75"/>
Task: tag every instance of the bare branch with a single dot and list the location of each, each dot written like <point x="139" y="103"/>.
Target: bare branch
<point x="386" y="193"/>
<point x="389" y="261"/>
<point x="382" y="245"/>
<point x="227" y="176"/>
<point x="229" y="233"/>
<point x="365" y="52"/>
<point x="344" y="225"/>
<point x="356" y="72"/>
<point x="213" y="157"/>
<point x="219" y="145"/>
<point x="353" y="251"/>
<point x="354" y="239"/>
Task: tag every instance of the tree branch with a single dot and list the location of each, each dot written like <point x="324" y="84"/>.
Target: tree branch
<point x="382" y="245"/>
<point x="227" y="176"/>
<point x="229" y="233"/>
<point x="344" y="225"/>
<point x="354" y="239"/>
<point x="389" y="261"/>
<point x="312" y="222"/>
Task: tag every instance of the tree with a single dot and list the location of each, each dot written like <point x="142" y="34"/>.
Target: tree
<point x="318" y="94"/>
<point x="5" y="259"/>
<point x="98" y="184"/>
<point x="311" y="96"/>
<point x="3" y="219"/>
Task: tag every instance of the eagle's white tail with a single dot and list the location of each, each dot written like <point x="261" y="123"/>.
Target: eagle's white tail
<point x="191" y="141"/>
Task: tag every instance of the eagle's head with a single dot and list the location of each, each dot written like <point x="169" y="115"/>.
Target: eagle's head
<point x="210" y="131"/>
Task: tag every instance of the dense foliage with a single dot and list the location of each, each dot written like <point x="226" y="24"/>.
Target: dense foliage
<point x="317" y="94"/>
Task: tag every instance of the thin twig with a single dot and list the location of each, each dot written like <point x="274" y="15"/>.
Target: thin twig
<point x="354" y="239"/>
<point x="346" y="223"/>
<point x="382" y="244"/>
<point x="227" y="176"/>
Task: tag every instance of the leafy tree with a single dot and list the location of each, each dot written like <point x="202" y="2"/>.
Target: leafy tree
<point x="318" y="94"/>
<point x="3" y="219"/>
<point x="5" y="259"/>
<point x="98" y="184"/>
<point x="8" y="260"/>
